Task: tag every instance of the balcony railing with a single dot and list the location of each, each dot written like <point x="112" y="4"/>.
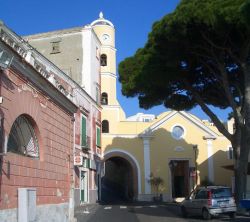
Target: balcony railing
<point x="85" y="143"/>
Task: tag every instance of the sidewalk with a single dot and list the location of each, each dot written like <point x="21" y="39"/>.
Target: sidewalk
<point x="84" y="211"/>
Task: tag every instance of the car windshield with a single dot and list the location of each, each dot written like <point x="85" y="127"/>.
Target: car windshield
<point x="221" y="192"/>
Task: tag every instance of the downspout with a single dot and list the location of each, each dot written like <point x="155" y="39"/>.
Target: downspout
<point x="72" y="184"/>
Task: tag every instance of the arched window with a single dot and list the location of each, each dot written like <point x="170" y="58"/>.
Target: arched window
<point x="22" y="138"/>
<point x="103" y="60"/>
<point x="104" y="100"/>
<point x="105" y="126"/>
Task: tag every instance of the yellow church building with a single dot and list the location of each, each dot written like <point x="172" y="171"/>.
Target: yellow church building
<point x="173" y="145"/>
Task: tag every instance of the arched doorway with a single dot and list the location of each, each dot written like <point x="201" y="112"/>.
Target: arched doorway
<point x="120" y="182"/>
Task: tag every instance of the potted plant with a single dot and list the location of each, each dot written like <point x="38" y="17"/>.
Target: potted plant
<point x="157" y="184"/>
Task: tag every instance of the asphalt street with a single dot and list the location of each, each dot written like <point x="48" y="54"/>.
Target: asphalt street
<point x="139" y="212"/>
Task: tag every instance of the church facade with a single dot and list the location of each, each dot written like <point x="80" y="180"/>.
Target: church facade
<point x="178" y="147"/>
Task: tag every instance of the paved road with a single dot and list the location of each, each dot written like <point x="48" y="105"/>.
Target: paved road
<point x="139" y="212"/>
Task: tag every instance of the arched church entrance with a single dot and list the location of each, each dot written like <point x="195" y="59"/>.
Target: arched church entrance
<point x="120" y="182"/>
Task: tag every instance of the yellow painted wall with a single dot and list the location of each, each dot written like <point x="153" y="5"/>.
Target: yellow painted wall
<point x="111" y="61"/>
<point x="107" y="86"/>
<point x="105" y="29"/>
<point x="222" y="176"/>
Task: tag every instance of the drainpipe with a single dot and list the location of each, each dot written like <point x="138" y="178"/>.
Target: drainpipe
<point x="72" y="185"/>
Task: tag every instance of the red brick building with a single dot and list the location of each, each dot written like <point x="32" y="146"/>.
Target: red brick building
<point x="36" y="134"/>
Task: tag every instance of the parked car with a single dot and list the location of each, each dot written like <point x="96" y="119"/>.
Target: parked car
<point x="209" y="201"/>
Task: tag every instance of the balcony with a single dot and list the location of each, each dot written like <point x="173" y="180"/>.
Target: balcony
<point x="85" y="143"/>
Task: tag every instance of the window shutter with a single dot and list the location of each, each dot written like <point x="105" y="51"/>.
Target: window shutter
<point x="84" y="137"/>
<point x="88" y="163"/>
<point x="98" y="137"/>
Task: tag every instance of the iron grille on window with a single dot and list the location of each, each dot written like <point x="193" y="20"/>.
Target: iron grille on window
<point x="22" y="138"/>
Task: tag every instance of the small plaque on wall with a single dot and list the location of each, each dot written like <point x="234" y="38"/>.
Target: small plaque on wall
<point x="179" y="149"/>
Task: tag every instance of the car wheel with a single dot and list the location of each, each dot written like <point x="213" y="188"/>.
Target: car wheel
<point x="206" y="215"/>
<point x="184" y="212"/>
<point x="232" y="215"/>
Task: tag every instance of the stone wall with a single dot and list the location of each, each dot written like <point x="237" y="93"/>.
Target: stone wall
<point x="44" y="213"/>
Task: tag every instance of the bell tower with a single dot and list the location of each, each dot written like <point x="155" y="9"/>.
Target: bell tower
<point x="112" y="111"/>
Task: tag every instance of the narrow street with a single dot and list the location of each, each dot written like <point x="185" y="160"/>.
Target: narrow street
<point x="139" y="212"/>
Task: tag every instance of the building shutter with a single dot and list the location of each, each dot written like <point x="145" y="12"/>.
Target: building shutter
<point x="86" y="163"/>
<point x="98" y="137"/>
<point x="84" y="137"/>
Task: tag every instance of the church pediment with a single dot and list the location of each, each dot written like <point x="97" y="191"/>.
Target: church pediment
<point x="190" y="119"/>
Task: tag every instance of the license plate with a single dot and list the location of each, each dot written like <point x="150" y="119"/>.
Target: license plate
<point x="223" y="204"/>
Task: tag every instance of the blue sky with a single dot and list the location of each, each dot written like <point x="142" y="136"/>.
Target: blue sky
<point x="133" y="20"/>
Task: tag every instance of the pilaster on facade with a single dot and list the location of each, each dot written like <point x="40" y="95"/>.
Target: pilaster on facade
<point x="147" y="166"/>
<point x="210" y="159"/>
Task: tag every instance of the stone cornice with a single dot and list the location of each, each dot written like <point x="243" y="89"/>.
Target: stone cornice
<point x="42" y="84"/>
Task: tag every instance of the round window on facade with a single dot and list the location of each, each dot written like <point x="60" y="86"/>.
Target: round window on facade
<point x="177" y="132"/>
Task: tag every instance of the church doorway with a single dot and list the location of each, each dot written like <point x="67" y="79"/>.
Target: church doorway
<point x="179" y="177"/>
<point x="119" y="181"/>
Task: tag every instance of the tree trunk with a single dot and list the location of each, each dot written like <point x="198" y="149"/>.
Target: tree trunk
<point x="241" y="164"/>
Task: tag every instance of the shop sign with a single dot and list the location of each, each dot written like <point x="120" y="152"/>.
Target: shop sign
<point x="78" y="161"/>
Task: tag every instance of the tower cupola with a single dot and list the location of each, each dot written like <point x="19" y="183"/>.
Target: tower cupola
<point x="101" y="21"/>
<point x="105" y="30"/>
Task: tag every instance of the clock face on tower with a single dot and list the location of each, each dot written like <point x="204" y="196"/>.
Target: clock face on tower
<point x="105" y="37"/>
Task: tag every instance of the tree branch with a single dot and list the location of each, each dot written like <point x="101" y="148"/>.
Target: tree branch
<point x="220" y="126"/>
<point x="226" y="86"/>
<point x="211" y="42"/>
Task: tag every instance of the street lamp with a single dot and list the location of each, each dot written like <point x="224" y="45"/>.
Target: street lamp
<point x="195" y="148"/>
